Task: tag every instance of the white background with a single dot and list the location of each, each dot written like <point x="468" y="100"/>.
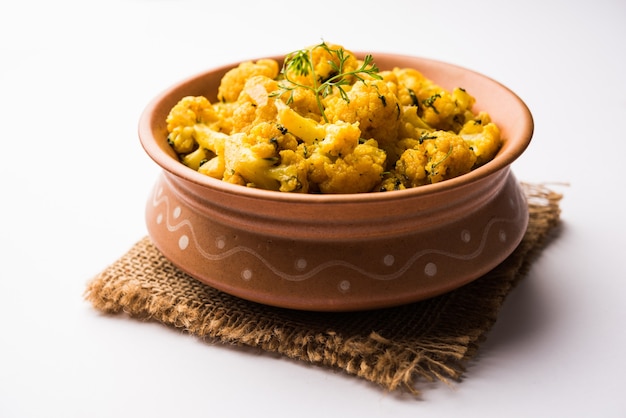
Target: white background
<point x="74" y="78"/>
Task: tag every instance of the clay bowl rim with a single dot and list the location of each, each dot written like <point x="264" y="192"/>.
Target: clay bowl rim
<point x="515" y="142"/>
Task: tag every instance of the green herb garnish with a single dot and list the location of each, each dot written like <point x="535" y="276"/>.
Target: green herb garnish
<point x="430" y="102"/>
<point x="301" y="63"/>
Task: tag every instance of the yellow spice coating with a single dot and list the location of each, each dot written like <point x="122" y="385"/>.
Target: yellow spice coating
<point x="330" y="123"/>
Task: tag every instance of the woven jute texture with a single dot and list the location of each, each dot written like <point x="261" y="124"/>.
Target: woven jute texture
<point x="393" y="348"/>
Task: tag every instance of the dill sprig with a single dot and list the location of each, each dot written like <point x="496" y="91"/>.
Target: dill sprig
<point x="301" y="63"/>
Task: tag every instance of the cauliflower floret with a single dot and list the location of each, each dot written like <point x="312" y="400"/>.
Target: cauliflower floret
<point x="259" y="158"/>
<point x="441" y="155"/>
<point x="307" y="129"/>
<point x="372" y="105"/>
<point x="254" y="104"/>
<point x="213" y="167"/>
<point x="185" y="118"/>
<point x="412" y="86"/>
<point x="438" y="108"/>
<point x="412" y="125"/>
<point x="411" y="167"/>
<point x="449" y="156"/>
<point x="292" y="172"/>
<point x="448" y="111"/>
<point x="310" y="74"/>
<point x="341" y="139"/>
<point x="192" y="125"/>
<point x="358" y="172"/>
<point x="257" y="90"/>
<point x="209" y="148"/>
<point x="391" y="181"/>
<point x="304" y="102"/>
<point x="337" y="162"/>
<point x="196" y="158"/>
<point x="483" y="137"/>
<point x="244" y="161"/>
<point x="398" y="148"/>
<point x="234" y="80"/>
<point x="225" y="112"/>
<point x="325" y="60"/>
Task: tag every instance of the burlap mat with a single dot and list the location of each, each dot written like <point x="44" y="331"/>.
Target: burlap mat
<point x="393" y="348"/>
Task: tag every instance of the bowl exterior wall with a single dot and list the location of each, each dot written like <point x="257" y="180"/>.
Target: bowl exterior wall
<point x="299" y="269"/>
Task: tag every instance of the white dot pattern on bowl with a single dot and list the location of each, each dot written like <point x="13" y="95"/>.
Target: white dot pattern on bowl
<point x="246" y="274"/>
<point x="430" y="269"/>
<point x="303" y="266"/>
<point x="300" y="264"/>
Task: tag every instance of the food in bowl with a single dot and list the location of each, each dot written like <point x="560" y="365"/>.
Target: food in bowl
<point x="340" y="251"/>
<point x="327" y="122"/>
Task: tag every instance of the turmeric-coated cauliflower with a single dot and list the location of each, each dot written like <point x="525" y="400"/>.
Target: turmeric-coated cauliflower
<point x="194" y="134"/>
<point x="235" y="79"/>
<point x="483" y="137"/>
<point x="412" y="87"/>
<point x="185" y="118"/>
<point x="259" y="158"/>
<point x="357" y="172"/>
<point x="372" y="105"/>
<point x="292" y="172"/>
<point x="324" y="60"/>
<point x="447" y="111"/>
<point x="254" y="104"/>
<point x="437" y="107"/>
<point x="329" y="122"/>
<point x="438" y="156"/>
<point x="304" y="102"/>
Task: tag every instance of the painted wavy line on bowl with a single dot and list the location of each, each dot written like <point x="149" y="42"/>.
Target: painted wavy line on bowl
<point x="430" y="268"/>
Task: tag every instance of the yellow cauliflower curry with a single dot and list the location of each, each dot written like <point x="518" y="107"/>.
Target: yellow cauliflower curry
<point x="327" y="122"/>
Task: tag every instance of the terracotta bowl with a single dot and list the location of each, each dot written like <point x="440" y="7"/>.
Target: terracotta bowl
<point x="340" y="252"/>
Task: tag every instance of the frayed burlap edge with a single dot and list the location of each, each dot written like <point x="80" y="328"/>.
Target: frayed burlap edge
<point x="393" y="348"/>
